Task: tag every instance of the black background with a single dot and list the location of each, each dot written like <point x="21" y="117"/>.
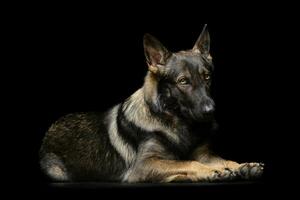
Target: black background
<point x="78" y="59"/>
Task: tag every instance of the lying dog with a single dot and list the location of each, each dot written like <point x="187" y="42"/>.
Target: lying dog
<point x="159" y="134"/>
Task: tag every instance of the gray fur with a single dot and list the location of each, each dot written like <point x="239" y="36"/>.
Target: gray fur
<point x="52" y="165"/>
<point x="124" y="149"/>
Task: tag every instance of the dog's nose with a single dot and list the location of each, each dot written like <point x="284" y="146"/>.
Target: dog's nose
<point x="208" y="108"/>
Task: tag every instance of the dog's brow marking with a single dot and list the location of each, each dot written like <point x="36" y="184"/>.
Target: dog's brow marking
<point x="202" y="70"/>
<point x="123" y="148"/>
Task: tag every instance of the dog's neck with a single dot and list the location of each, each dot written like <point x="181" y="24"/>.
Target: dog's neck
<point x="137" y="111"/>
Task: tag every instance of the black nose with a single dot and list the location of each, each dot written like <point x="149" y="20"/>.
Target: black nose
<point x="208" y="106"/>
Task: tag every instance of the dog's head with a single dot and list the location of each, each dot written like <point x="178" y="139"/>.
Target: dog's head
<point x="179" y="83"/>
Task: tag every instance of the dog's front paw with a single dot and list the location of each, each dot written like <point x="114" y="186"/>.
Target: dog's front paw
<point x="250" y="170"/>
<point x="225" y="174"/>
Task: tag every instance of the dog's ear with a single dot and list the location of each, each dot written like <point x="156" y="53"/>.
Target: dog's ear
<point x="203" y="42"/>
<point x="156" y="54"/>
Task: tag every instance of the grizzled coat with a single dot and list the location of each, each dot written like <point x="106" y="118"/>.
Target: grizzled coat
<point x="158" y="134"/>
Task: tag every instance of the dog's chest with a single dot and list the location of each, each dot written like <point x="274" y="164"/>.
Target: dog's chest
<point x="189" y="140"/>
<point x="183" y="147"/>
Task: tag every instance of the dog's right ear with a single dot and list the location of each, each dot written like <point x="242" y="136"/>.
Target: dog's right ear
<point x="156" y="54"/>
<point x="203" y="42"/>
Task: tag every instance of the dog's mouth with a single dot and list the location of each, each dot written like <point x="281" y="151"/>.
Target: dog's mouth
<point x="207" y="117"/>
<point x="200" y="116"/>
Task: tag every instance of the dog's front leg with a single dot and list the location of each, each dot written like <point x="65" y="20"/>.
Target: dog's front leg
<point x="159" y="170"/>
<point x="244" y="170"/>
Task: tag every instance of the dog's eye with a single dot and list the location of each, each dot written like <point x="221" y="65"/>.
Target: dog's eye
<point x="183" y="81"/>
<point x="207" y="77"/>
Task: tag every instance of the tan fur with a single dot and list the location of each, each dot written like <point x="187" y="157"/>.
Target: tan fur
<point x="245" y="170"/>
<point x="203" y="155"/>
<point x="153" y="69"/>
<point x="181" y="170"/>
<point x="150" y="86"/>
<point x="151" y="167"/>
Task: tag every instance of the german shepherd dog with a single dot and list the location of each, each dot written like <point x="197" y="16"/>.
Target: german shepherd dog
<point x="158" y="134"/>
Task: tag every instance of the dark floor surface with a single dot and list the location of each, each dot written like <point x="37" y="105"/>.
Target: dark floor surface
<point x="153" y="191"/>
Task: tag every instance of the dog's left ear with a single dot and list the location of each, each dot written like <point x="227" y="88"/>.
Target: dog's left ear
<point x="156" y="54"/>
<point x="203" y="42"/>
